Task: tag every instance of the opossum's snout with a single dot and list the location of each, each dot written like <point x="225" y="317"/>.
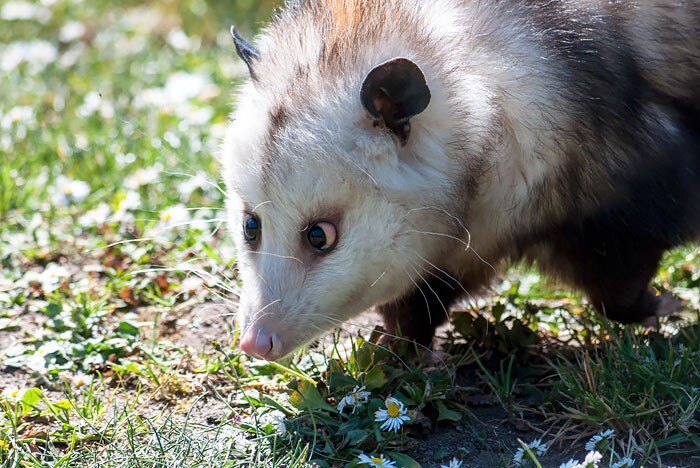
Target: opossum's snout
<point x="262" y="341"/>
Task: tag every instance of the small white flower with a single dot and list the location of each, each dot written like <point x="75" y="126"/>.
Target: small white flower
<point x="91" y="104"/>
<point x="454" y="463"/>
<point x="95" y="217"/>
<point x="179" y="40"/>
<point x="591" y="460"/>
<point x="36" y="53"/>
<point x="17" y="10"/>
<point x="35" y="362"/>
<point x="70" y="191"/>
<point x="186" y="187"/>
<point x="191" y="284"/>
<point x="569" y="464"/>
<point x="49" y="279"/>
<point x="12" y="393"/>
<point x="600" y="441"/>
<point x="357" y="397"/>
<point x="230" y="438"/>
<point x="518" y="457"/>
<point x="17" y="115"/>
<point x="131" y="201"/>
<point x="394" y="416"/>
<point x="143" y="177"/>
<point x="276" y="419"/>
<point x="626" y="462"/>
<point x="81" y="379"/>
<point x="536" y="446"/>
<point x="71" y="31"/>
<point x="376" y="461"/>
<point x="174" y="215"/>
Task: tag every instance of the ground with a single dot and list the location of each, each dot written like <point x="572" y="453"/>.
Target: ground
<point x="118" y="291"/>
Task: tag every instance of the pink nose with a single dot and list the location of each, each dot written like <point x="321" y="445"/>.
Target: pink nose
<point x="260" y="342"/>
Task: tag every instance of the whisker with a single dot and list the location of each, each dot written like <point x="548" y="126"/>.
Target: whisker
<point x="461" y="286"/>
<point x="122" y="242"/>
<point x="377" y="280"/>
<point x="427" y="304"/>
<point x="191" y="176"/>
<point x="260" y="204"/>
<point x="284" y="257"/>
<point x="447" y="314"/>
<point x="447" y="213"/>
<point x="484" y="261"/>
<point x="199" y="322"/>
<point x="216" y="229"/>
<point x="390" y="335"/>
<point x="203" y="274"/>
<point x="440" y="234"/>
<point x="367" y="174"/>
<point x="259" y="314"/>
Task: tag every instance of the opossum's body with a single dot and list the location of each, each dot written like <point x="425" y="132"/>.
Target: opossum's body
<point x="566" y="132"/>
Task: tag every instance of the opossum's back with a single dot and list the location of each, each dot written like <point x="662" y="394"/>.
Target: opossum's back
<point x="665" y="35"/>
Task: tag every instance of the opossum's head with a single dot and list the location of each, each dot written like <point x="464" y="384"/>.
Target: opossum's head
<point x="335" y="187"/>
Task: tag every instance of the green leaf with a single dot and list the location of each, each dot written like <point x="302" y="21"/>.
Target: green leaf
<point x="266" y="400"/>
<point x="376" y="378"/>
<point x="307" y="397"/>
<point x="53" y="309"/>
<point x="404" y="461"/>
<point x="444" y="413"/>
<point x="30" y="399"/>
<point x="63" y="404"/>
<point x="363" y="356"/>
<point x="128" y="328"/>
<point x="357" y="436"/>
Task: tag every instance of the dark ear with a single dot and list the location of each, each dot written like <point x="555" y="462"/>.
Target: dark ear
<point x="245" y="51"/>
<point x="393" y="92"/>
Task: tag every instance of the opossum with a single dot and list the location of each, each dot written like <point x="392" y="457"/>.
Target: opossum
<point x="394" y="153"/>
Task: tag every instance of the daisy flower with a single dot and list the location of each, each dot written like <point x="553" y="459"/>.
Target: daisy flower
<point x="600" y="441"/>
<point x="70" y="191"/>
<point x="536" y="446"/>
<point x="12" y="394"/>
<point x="626" y="462"/>
<point x="376" y="462"/>
<point x="275" y="419"/>
<point x="173" y="216"/>
<point x="569" y="464"/>
<point x="143" y="176"/>
<point x="357" y="397"/>
<point x="394" y="416"/>
<point x="454" y="463"/>
<point x="591" y="460"/>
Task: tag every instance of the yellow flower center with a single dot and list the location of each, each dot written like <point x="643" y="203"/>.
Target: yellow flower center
<point x="377" y="460"/>
<point x="393" y="409"/>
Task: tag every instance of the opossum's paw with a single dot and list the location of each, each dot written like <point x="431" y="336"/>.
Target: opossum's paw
<point x="667" y="304"/>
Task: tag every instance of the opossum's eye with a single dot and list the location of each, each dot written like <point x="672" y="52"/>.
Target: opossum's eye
<point x="251" y="228"/>
<point x="322" y="236"/>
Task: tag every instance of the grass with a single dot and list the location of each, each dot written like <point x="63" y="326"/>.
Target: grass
<point x="118" y="286"/>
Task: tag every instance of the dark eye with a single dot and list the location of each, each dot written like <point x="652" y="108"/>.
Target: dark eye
<point x="251" y="228"/>
<point x="322" y="236"/>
